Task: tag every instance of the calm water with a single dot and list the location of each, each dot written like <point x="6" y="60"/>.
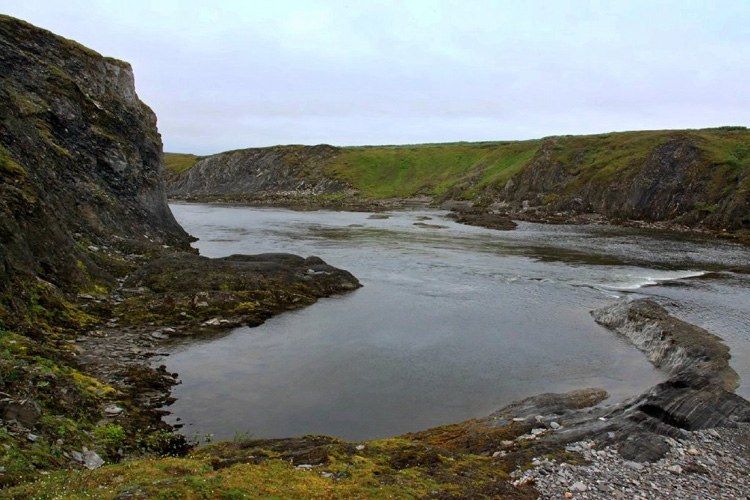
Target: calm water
<point x="452" y="323"/>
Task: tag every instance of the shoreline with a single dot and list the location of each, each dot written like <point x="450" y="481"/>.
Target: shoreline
<point x="459" y="208"/>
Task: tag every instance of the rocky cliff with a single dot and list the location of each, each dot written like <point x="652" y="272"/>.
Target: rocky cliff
<point x="260" y="175"/>
<point x="80" y="166"/>
<point x="695" y="178"/>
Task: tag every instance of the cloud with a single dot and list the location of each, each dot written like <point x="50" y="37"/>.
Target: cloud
<point x="238" y="74"/>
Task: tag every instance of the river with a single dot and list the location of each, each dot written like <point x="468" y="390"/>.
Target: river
<point x="452" y="323"/>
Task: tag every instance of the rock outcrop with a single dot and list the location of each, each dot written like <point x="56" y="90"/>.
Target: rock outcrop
<point x="693" y="178"/>
<point x="80" y="166"/>
<point x="282" y="174"/>
<point x="698" y="393"/>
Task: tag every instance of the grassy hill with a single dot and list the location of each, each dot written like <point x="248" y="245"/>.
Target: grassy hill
<point x="691" y="177"/>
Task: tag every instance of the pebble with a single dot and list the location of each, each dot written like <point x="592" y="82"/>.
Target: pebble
<point x="710" y="463"/>
<point x="359" y="447"/>
<point x="554" y="425"/>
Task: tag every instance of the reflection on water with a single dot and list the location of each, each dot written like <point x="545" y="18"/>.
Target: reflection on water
<point x="451" y="323"/>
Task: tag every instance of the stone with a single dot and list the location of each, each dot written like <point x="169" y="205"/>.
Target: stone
<point x="633" y="465"/>
<point x="112" y="410"/>
<point x="675" y="469"/>
<point x="578" y="486"/>
<point x="359" y="447"/>
<point x="91" y="460"/>
<point x="25" y="412"/>
<point x="554" y="425"/>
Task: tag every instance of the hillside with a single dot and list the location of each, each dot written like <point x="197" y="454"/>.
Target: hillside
<point x="689" y="177"/>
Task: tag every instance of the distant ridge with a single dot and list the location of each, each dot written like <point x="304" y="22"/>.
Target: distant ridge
<point x="695" y="178"/>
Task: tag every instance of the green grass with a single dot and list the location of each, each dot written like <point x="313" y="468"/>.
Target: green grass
<point x="466" y="170"/>
<point x="429" y="169"/>
<point x="179" y="162"/>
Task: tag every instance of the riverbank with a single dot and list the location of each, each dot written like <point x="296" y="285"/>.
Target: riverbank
<point x="570" y="439"/>
<point x="499" y="217"/>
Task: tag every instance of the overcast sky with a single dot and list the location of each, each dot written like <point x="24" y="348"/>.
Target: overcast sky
<point x="258" y="73"/>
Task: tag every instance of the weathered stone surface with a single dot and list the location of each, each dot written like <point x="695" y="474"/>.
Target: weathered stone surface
<point x="670" y="183"/>
<point x="677" y="347"/>
<point x="277" y="172"/>
<point x="81" y="165"/>
<point x="25" y="412"/>
<point x="697" y="394"/>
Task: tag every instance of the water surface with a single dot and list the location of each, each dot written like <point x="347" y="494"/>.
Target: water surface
<point x="452" y="323"/>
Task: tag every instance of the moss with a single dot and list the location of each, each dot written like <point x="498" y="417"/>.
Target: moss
<point x="550" y="198"/>
<point x="8" y="166"/>
<point x="366" y="475"/>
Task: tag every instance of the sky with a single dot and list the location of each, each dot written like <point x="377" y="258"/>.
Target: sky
<point x="231" y="74"/>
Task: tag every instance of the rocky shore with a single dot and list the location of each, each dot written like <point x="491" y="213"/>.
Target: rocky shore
<point x="711" y="463"/>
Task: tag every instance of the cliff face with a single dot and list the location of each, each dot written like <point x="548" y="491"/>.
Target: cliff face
<point x="691" y="177"/>
<point x="259" y="174"/>
<point x="80" y="166"/>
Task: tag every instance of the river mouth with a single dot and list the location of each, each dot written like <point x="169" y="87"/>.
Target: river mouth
<point x="452" y="323"/>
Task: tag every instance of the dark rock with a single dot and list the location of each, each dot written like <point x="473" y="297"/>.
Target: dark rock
<point x="258" y="173"/>
<point x="680" y="348"/>
<point x="81" y="167"/>
<point x="25" y="412"/>
<point x="696" y="396"/>
<point x="643" y="447"/>
<point x="476" y="217"/>
<point x="673" y="179"/>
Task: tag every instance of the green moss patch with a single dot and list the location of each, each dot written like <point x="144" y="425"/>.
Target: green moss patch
<point x="179" y="162"/>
